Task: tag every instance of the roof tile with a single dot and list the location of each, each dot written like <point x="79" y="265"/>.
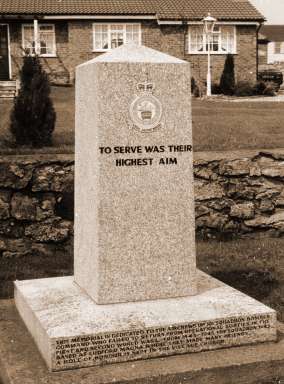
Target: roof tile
<point x="164" y="9"/>
<point x="273" y="32"/>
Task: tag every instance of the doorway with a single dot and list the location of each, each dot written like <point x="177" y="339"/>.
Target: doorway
<point x="4" y="53"/>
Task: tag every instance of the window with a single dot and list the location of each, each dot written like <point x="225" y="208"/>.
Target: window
<point x="109" y="36"/>
<point x="46" y="37"/>
<point x="223" y="39"/>
<point x="279" y="47"/>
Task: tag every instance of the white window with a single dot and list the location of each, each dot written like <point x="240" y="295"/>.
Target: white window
<point x="279" y="47"/>
<point x="223" y="39"/>
<point x="109" y="36"/>
<point x="46" y="38"/>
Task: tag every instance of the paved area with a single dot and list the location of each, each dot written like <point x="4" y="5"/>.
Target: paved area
<point x="20" y="363"/>
<point x="252" y="99"/>
<point x="274" y="99"/>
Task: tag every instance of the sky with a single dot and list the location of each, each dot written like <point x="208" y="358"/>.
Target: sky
<point x="273" y="10"/>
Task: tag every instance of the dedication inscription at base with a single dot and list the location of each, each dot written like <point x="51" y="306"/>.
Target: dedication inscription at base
<point x="175" y="339"/>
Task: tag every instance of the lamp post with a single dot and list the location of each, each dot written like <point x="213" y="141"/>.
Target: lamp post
<point x="209" y="23"/>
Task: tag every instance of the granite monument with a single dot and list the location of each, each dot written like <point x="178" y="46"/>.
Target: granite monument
<point x="136" y="292"/>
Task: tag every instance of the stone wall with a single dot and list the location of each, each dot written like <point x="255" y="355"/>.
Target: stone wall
<point x="33" y="208"/>
<point x="36" y="218"/>
<point x="236" y="195"/>
<point x="74" y="42"/>
<point x="239" y="194"/>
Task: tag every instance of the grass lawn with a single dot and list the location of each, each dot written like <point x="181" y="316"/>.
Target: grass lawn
<point x="63" y="136"/>
<point x="225" y="126"/>
<point x="217" y="125"/>
<point x="255" y="267"/>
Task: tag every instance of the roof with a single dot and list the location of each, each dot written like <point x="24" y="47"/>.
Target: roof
<point x="220" y="9"/>
<point x="272" y="32"/>
<point x="241" y="10"/>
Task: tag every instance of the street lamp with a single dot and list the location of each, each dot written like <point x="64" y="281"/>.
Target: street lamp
<point x="209" y="23"/>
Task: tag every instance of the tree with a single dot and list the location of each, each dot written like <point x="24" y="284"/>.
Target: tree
<point x="194" y="88"/>
<point x="33" y="116"/>
<point x="227" y="82"/>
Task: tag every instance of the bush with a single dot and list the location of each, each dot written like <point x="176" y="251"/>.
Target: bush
<point x="216" y="90"/>
<point x="227" y="82"/>
<point x="270" y="89"/>
<point x="33" y="116"/>
<point x="244" y="88"/>
<point x="259" y="87"/>
<point x="263" y="88"/>
<point x="194" y="88"/>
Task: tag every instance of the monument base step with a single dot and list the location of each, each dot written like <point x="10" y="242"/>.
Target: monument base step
<point x="20" y="362"/>
<point x="72" y="331"/>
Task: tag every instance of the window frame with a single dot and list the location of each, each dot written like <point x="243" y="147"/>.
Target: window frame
<point x="54" y="54"/>
<point x="278" y="46"/>
<point x="109" y="34"/>
<point x="205" y="52"/>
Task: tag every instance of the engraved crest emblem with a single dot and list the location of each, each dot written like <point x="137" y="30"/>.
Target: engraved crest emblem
<point x="146" y="109"/>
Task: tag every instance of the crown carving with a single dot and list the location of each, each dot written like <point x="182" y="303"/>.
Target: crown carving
<point x="145" y="87"/>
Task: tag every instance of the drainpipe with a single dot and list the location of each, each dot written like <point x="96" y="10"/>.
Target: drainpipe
<point x="36" y="37"/>
<point x="257" y="48"/>
<point x="184" y="24"/>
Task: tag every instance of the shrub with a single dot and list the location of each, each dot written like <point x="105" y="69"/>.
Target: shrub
<point x="227" y="82"/>
<point x="259" y="87"/>
<point x="216" y="90"/>
<point x="270" y="89"/>
<point x="244" y="88"/>
<point x="265" y="88"/>
<point x="194" y="88"/>
<point x="33" y="116"/>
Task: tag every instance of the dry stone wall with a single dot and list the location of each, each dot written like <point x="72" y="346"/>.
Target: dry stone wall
<point x="240" y="196"/>
<point x="235" y="195"/>
<point x="32" y="197"/>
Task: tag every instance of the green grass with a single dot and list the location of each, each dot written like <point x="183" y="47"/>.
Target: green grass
<point x="254" y="266"/>
<point x="57" y="261"/>
<point x="225" y="126"/>
<point x="217" y="125"/>
<point x="63" y="137"/>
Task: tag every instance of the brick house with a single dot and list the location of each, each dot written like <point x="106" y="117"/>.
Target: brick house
<point x="271" y="46"/>
<point x="66" y="33"/>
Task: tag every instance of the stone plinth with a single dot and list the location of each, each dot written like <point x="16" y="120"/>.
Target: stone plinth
<point x="72" y="331"/>
<point x="20" y="362"/>
<point x="134" y="211"/>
